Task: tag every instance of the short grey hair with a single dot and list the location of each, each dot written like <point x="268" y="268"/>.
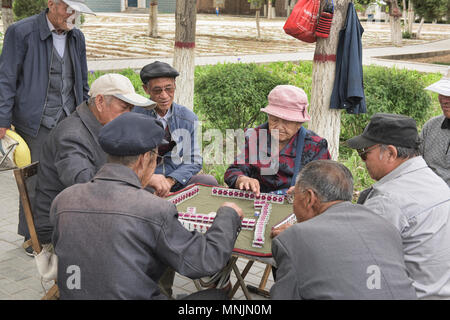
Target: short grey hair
<point x="127" y="161"/>
<point x="402" y="152"/>
<point x="108" y="98"/>
<point x="330" y="180"/>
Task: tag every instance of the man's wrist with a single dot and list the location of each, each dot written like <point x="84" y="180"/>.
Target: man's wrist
<point x="172" y="181"/>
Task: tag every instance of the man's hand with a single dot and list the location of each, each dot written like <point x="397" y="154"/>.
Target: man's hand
<point x="276" y="231"/>
<point x="235" y="207"/>
<point x="247" y="183"/>
<point x="161" y="184"/>
<point x="3" y="132"/>
<point x="291" y="190"/>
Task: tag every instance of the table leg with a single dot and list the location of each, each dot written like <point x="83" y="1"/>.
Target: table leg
<point x="241" y="280"/>
<point x="244" y="274"/>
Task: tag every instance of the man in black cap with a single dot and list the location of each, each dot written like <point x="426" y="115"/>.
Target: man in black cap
<point x="114" y="239"/>
<point x="180" y="165"/>
<point x="411" y="196"/>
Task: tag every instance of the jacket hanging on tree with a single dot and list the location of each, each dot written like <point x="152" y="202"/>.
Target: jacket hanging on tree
<point x="348" y="89"/>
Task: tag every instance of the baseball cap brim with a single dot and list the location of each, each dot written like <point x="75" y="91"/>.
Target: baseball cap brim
<point x="78" y="6"/>
<point x="441" y="87"/>
<point x="360" y="142"/>
<point x="136" y="100"/>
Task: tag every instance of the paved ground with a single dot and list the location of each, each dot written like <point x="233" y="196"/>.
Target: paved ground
<point x="18" y="274"/>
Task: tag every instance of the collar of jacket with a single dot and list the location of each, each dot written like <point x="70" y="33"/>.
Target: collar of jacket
<point x="410" y="165"/>
<point x="89" y="120"/>
<point x="446" y="124"/>
<point x="44" y="30"/>
<point x="118" y="172"/>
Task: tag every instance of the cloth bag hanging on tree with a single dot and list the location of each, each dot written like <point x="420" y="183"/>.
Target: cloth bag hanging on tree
<point x="302" y="21"/>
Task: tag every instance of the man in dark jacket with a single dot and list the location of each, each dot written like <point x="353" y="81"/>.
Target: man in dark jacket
<point x="43" y="76"/>
<point x="114" y="239"/>
<point x="71" y="154"/>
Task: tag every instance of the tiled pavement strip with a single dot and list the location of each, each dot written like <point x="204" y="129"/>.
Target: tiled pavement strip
<point x="19" y="279"/>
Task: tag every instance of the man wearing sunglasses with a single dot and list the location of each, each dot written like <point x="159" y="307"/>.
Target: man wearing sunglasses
<point x="180" y="159"/>
<point x="411" y="196"/>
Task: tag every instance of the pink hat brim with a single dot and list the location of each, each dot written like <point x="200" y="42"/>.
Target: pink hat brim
<point x="287" y="114"/>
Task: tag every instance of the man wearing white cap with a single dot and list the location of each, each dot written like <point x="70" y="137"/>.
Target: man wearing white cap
<point x="43" y="76"/>
<point x="435" y="134"/>
<point x="71" y="154"/>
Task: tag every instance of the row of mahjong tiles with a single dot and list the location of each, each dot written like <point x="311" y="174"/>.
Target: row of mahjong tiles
<point x="206" y="200"/>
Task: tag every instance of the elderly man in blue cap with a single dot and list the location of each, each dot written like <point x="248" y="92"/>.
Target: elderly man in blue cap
<point x="181" y="157"/>
<point x="114" y="239"/>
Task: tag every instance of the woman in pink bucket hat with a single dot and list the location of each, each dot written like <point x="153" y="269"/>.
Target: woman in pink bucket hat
<point x="287" y="111"/>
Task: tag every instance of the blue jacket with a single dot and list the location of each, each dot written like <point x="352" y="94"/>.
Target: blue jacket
<point x="24" y="72"/>
<point x="183" y="127"/>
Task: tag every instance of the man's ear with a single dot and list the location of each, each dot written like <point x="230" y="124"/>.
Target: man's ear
<point x="392" y="153"/>
<point x="145" y="87"/>
<point x="100" y="102"/>
<point x="311" y="199"/>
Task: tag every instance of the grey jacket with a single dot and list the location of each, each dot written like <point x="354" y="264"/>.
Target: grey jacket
<point x="24" y="72"/>
<point x="347" y="252"/>
<point x="122" y="238"/>
<point x="71" y="154"/>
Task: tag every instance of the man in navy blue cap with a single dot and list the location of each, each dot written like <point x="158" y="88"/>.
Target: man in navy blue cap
<point x="122" y="238"/>
<point x="179" y="166"/>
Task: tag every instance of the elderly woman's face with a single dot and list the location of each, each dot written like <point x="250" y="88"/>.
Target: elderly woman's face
<point x="286" y="129"/>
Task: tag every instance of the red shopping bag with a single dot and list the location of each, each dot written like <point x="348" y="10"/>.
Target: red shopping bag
<point x="302" y="21"/>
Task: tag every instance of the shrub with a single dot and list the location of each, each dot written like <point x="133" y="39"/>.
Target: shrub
<point x="27" y="8"/>
<point x="230" y="96"/>
<point x="390" y="91"/>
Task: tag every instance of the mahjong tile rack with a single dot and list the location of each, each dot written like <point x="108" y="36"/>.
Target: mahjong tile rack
<point x="197" y="206"/>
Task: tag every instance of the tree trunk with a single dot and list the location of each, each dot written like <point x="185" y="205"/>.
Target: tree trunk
<point x="153" y="19"/>
<point x="411" y="17"/>
<point x="419" y="31"/>
<point x="269" y="9"/>
<point x="7" y="14"/>
<point x="184" y="53"/>
<point x="396" y="28"/>
<point x="257" y="24"/>
<point x="326" y="122"/>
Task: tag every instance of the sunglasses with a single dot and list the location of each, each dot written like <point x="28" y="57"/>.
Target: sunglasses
<point x="157" y="91"/>
<point x="159" y="158"/>
<point x="364" y="151"/>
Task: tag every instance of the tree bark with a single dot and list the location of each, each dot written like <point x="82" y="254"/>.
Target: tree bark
<point x="411" y="17"/>
<point x="419" y="31"/>
<point x="326" y="122"/>
<point x="269" y="9"/>
<point x="257" y="24"/>
<point x="7" y="14"/>
<point x="396" y="28"/>
<point x="184" y="53"/>
<point x="153" y="19"/>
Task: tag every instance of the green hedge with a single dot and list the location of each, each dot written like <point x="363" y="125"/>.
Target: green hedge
<point x="227" y="95"/>
<point x="230" y="96"/>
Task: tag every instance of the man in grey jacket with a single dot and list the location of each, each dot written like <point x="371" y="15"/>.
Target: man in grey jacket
<point x="43" y="77"/>
<point x="409" y="195"/>
<point x="337" y="250"/>
<point x="71" y="154"/>
<point x="435" y="134"/>
<point x="114" y="239"/>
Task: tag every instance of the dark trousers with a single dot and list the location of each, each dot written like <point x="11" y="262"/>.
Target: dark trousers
<point x="34" y="144"/>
